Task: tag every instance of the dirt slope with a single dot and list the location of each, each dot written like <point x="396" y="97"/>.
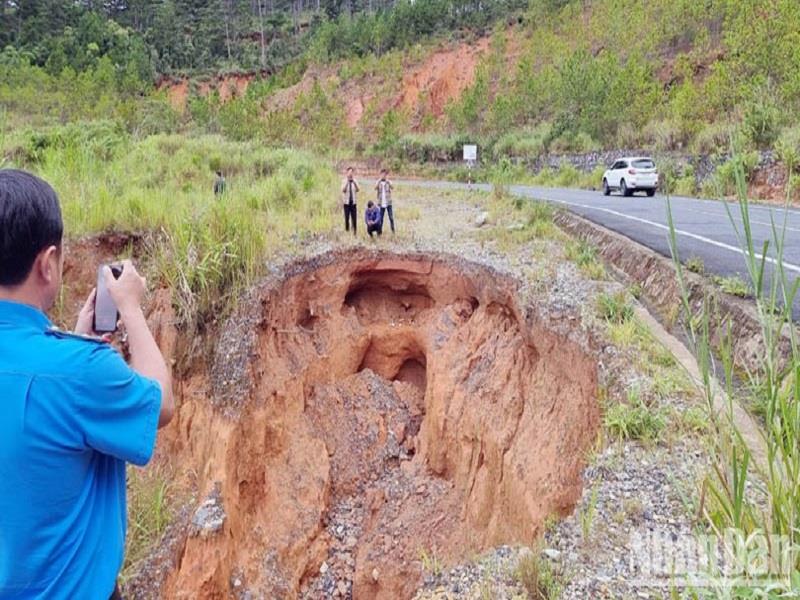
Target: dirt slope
<point x="227" y="86"/>
<point x="423" y="88"/>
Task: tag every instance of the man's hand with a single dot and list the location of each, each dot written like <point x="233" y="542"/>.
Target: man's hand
<point x="127" y="291"/>
<point x="146" y="359"/>
<point x="85" y="323"/>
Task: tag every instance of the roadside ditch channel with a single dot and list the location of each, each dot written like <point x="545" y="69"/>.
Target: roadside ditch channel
<point x="661" y="311"/>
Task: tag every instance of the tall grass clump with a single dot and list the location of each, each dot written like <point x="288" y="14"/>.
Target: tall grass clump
<point x="205" y="248"/>
<point x="754" y="486"/>
<point x="151" y="507"/>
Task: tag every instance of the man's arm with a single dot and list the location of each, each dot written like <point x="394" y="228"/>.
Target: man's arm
<point x="355" y="183"/>
<point x="146" y="358"/>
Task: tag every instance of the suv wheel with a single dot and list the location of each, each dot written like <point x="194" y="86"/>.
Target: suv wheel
<point x="651" y="193"/>
<point x="606" y="189"/>
<point x="623" y="187"/>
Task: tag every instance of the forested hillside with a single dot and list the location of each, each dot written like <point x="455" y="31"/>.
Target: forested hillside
<point x="414" y="80"/>
<point x="165" y="36"/>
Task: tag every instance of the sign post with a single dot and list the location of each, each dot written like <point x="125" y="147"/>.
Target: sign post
<point x="470" y="157"/>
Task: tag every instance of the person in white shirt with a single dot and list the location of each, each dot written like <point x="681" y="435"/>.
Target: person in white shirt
<point x="384" y="188"/>
<point x="350" y="191"/>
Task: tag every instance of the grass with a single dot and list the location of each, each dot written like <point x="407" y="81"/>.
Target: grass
<point x="206" y="249"/>
<point x="615" y="308"/>
<point x="696" y="265"/>
<point x="653" y="359"/>
<point x="588" y="514"/>
<point x="734" y="285"/>
<point x="585" y="257"/>
<point x="431" y="563"/>
<point x="635" y="420"/>
<point x="150" y="510"/>
<point x="694" y="420"/>
<point x="519" y="221"/>
<point x="537" y="576"/>
<point x="741" y="493"/>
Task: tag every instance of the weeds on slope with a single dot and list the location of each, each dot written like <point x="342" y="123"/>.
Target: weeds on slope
<point x="754" y="498"/>
<point x="205" y="248"/>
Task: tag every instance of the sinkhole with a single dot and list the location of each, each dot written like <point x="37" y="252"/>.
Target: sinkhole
<point x="387" y="407"/>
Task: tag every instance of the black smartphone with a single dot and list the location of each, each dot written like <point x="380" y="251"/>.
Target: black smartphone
<point x="105" y="311"/>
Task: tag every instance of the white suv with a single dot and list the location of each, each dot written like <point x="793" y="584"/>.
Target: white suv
<point x="632" y="174"/>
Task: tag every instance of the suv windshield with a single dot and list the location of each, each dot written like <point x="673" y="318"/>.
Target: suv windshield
<point x="644" y="163"/>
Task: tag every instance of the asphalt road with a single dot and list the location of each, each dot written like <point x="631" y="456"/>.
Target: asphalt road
<point x="703" y="227"/>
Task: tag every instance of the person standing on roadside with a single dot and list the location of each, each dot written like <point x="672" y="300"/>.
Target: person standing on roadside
<point x="219" y="184"/>
<point x="72" y="414"/>
<point x="384" y="188"/>
<point x="350" y="191"/>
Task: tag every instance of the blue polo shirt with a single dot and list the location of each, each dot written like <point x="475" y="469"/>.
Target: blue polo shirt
<point x="72" y="413"/>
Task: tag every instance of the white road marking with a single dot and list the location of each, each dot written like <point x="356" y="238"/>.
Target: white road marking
<point x="533" y="193"/>
<point x="738" y="217"/>
<point x="688" y="234"/>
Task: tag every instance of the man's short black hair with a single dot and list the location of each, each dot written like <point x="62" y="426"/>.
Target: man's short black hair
<point x="348" y="169"/>
<point x="30" y="221"/>
<point x="384" y="171"/>
<point x="370" y="204"/>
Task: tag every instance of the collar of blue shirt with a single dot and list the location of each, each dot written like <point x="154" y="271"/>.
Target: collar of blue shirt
<point x="17" y="313"/>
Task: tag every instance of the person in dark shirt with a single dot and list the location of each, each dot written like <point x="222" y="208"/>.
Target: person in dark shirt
<point x="373" y="218"/>
<point x="219" y="184"/>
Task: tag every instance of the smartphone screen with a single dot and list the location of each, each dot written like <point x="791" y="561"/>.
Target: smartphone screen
<point x="105" y="311"/>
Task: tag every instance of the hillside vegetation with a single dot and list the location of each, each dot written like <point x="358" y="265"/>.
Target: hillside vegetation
<point x="523" y="79"/>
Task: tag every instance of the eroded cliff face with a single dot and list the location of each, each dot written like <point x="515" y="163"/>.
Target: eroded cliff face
<point x="376" y="410"/>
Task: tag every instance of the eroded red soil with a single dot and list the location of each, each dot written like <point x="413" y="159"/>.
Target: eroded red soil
<point x="366" y="412"/>
<point x="431" y="85"/>
<point x="227" y="86"/>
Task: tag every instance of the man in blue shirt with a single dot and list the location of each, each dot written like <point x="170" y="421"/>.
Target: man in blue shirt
<point x="72" y="412"/>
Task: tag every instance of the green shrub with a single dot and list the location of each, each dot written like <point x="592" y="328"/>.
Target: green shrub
<point x="695" y="265"/>
<point x="714" y="138"/>
<point x="537" y="576"/>
<point x="667" y="134"/>
<point x="762" y="120"/>
<point x="421" y="148"/>
<point x="501" y="177"/>
<point x="101" y="139"/>
<point x="686" y="185"/>
<point x="522" y="144"/>
<point x="577" y="143"/>
<point x="788" y="147"/>
<point x="734" y="285"/>
<point x="724" y="179"/>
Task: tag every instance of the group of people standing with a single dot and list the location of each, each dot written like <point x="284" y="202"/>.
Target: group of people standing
<point x="375" y="213"/>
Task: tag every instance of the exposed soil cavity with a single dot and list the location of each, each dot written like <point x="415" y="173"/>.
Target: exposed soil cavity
<point x="384" y="408"/>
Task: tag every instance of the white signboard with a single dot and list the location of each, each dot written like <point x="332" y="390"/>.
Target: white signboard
<point x="470" y="152"/>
